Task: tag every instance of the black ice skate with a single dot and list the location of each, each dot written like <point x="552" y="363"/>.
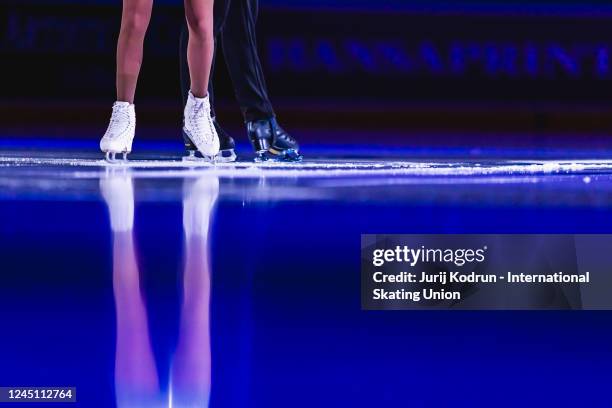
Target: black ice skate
<point x="227" y="150"/>
<point x="271" y="142"/>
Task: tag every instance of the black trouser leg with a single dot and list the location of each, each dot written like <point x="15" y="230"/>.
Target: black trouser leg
<point x="221" y="9"/>
<point x="240" y="51"/>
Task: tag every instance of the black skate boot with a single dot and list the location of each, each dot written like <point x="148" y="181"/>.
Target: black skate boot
<point x="271" y="142"/>
<point x="227" y="152"/>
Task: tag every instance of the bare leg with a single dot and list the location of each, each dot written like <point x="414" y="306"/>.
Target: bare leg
<point x="134" y="22"/>
<point x="221" y="8"/>
<point x="200" y="49"/>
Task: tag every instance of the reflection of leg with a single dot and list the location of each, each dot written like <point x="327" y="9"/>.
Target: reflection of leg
<point x="192" y="366"/>
<point x="240" y="51"/>
<point x="191" y="370"/>
<point x="135" y="372"/>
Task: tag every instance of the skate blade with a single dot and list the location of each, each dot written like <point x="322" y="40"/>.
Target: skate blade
<point x="279" y="156"/>
<point x="111" y="157"/>
<point x="192" y="158"/>
<point x="224" y="156"/>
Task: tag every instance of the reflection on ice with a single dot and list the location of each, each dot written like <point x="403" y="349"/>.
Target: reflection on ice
<point x="136" y="376"/>
<point x="493" y="181"/>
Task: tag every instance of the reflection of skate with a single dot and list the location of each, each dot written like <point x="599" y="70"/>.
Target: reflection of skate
<point x="136" y="382"/>
<point x="198" y="127"/>
<point x="191" y="367"/>
<point x="120" y="132"/>
<point x="227" y="153"/>
<point x="199" y="197"/>
<point x="118" y="192"/>
<point x="136" y="377"/>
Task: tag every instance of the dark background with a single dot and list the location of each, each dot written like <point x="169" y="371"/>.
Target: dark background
<point x="538" y="71"/>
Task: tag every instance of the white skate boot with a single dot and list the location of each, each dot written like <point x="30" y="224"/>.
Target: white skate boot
<point x="199" y="128"/>
<point x="120" y="133"/>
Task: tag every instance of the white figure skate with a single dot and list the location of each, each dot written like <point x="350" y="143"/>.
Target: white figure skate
<point x="198" y="127"/>
<point x="120" y="133"/>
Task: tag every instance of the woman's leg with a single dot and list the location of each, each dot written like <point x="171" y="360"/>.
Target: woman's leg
<point x="134" y="23"/>
<point x="200" y="50"/>
<point x="221" y="8"/>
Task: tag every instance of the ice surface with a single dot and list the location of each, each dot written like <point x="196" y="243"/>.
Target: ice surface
<point x="315" y="167"/>
<point x="159" y="176"/>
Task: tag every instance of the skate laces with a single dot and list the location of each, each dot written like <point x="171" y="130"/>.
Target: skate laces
<point x="279" y="132"/>
<point x="202" y="112"/>
<point x="286" y="136"/>
<point x="119" y="122"/>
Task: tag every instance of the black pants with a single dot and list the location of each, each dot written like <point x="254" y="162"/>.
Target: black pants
<point x="234" y="22"/>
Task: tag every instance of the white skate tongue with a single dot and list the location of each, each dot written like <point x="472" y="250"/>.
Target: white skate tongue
<point x="198" y="100"/>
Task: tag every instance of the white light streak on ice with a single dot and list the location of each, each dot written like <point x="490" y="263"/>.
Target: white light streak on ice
<point x="317" y="167"/>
